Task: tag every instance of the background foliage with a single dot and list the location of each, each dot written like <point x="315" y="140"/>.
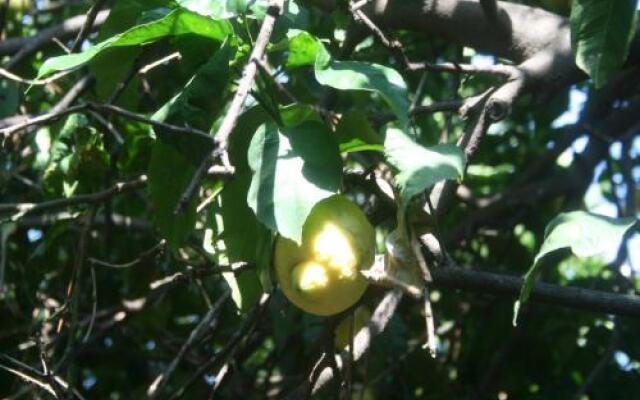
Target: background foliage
<point x="116" y="283"/>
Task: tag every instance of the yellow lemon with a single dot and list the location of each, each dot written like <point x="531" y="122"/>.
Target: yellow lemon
<point x="322" y="274"/>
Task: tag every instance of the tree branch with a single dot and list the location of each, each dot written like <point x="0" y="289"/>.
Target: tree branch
<point x="25" y="46"/>
<point x="235" y="108"/>
<point x="21" y="209"/>
<point x="571" y="297"/>
<point x="87" y="26"/>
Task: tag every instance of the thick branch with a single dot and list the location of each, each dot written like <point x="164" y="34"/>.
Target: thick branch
<point x="572" y="297"/>
<point x="543" y="54"/>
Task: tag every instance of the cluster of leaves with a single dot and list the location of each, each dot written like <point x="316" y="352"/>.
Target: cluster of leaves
<point x="288" y="154"/>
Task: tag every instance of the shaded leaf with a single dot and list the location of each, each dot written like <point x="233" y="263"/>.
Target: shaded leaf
<point x="355" y="133"/>
<point x="9" y="97"/>
<point x="175" y="158"/>
<point x="601" y="31"/>
<point x="169" y="174"/>
<point x="293" y="169"/>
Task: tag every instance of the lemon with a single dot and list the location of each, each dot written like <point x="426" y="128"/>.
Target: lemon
<point x="322" y="274"/>
<point x="344" y="330"/>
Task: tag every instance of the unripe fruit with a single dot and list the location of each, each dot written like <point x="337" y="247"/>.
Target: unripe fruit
<point x="322" y="274"/>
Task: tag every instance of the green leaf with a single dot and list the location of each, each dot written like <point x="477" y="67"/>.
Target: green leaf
<point x="303" y="48"/>
<point x="176" y="23"/>
<point x="169" y="174"/>
<point x="264" y="255"/>
<point x="297" y="113"/>
<point x="421" y="167"/>
<point x="355" y="133"/>
<point x="124" y="15"/>
<point x="293" y="169"/>
<point x="241" y="228"/>
<point x="586" y="234"/>
<point x="175" y="158"/>
<point x="9" y="97"/>
<point x="245" y="288"/>
<point x="352" y="75"/>
<point x="601" y="31"/>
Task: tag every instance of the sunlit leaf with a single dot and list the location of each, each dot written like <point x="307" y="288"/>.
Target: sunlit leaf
<point x="353" y="75"/>
<point x="586" y="234"/>
<point x="421" y="167"/>
<point x="177" y="22"/>
<point x="293" y="169"/>
<point x="303" y="48"/>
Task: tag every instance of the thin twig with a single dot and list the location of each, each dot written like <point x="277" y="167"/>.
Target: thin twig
<point x="94" y="303"/>
<point x="431" y="342"/>
<point x="87" y="26"/>
<point x="248" y="74"/>
<point x="74" y="292"/>
<point x="24" y="47"/>
<point x="131" y="263"/>
<point x="107" y="109"/>
<point x="30" y="379"/>
<point x="41" y="119"/>
<point x="230" y="348"/>
<point x="362" y="341"/>
<point x="173" y="56"/>
<point x="207" y="323"/>
<point x="235" y="108"/>
<point x="22" y="209"/>
<point x="36" y="82"/>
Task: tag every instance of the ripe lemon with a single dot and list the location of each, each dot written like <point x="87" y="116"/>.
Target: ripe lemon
<point x="322" y="274"/>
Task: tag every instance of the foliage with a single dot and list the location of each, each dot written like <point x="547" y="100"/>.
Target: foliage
<point x="601" y="32"/>
<point x="136" y="241"/>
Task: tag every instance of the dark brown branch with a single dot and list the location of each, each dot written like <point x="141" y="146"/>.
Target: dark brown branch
<point x="24" y="47"/>
<point x="41" y="119"/>
<point x="21" y="209"/>
<point x="166" y="128"/>
<point x="440" y="106"/>
<point x="571" y="297"/>
<point x="59" y="109"/>
<point x="104" y="109"/>
<point x="87" y="26"/>
<point x="119" y="220"/>
<point x="490" y="8"/>
<point x="496" y="284"/>
<point x="207" y="323"/>
<point x="230" y="348"/>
